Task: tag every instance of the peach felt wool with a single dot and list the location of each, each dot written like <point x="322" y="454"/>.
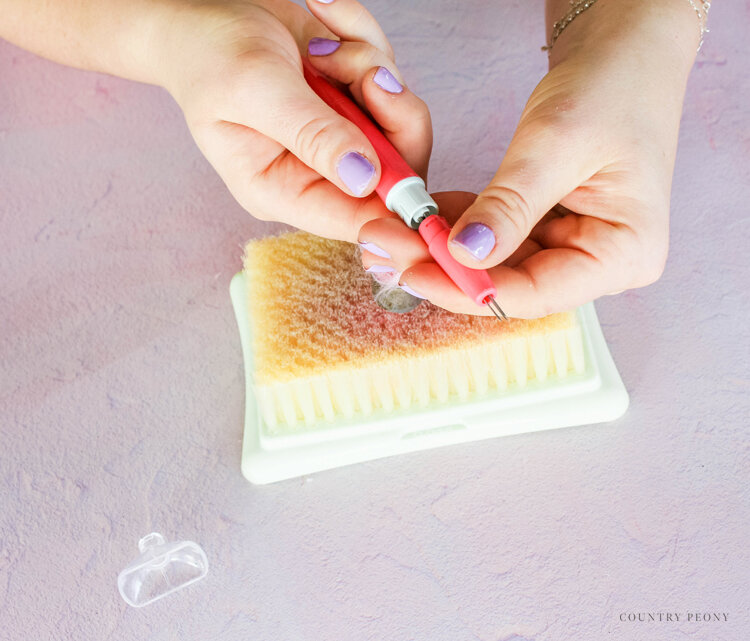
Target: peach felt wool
<point x="324" y="351"/>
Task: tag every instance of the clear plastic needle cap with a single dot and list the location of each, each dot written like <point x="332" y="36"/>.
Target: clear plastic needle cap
<point x="161" y="569"/>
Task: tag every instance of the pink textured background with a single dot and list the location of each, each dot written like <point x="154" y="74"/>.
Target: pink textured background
<point x="121" y="387"/>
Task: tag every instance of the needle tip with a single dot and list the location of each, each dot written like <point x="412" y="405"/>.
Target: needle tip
<point x="495" y="308"/>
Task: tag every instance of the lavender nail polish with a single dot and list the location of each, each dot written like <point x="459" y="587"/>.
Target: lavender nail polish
<point x="325" y="1"/>
<point x="374" y="249"/>
<point x="379" y="269"/>
<point x="409" y="290"/>
<point x="386" y="80"/>
<point x="322" y="46"/>
<point x="356" y="172"/>
<point x="477" y="239"/>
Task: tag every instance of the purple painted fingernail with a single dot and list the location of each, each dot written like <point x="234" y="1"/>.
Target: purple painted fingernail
<point x="379" y="269"/>
<point x="409" y="290"/>
<point x="477" y="239"/>
<point x="325" y="1"/>
<point x="322" y="46"/>
<point x="356" y="172"/>
<point x="374" y="249"/>
<point x="386" y="80"/>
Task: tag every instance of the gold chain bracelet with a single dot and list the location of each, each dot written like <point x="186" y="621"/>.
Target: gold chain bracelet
<point x="702" y="13"/>
<point x="577" y="7"/>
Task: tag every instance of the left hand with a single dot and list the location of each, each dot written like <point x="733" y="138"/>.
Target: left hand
<point x="235" y="68"/>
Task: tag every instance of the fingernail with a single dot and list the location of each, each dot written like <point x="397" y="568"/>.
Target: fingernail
<point x="325" y="1"/>
<point x="386" y="80"/>
<point x="409" y="290"/>
<point x="322" y="46"/>
<point x="374" y="249"/>
<point x="356" y="172"/>
<point x="477" y="239"/>
<point x="379" y="269"/>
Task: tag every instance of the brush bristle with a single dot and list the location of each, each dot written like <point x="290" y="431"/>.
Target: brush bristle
<point x="325" y="352"/>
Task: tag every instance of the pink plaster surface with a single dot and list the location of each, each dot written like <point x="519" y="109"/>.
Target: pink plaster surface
<point x="121" y="387"/>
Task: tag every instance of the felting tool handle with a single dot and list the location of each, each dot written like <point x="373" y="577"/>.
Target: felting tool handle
<point x="395" y="173"/>
<point x="393" y="168"/>
<point x="475" y="283"/>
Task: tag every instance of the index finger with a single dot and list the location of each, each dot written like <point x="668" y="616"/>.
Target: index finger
<point x="349" y="20"/>
<point x="548" y="281"/>
<point x="273" y="184"/>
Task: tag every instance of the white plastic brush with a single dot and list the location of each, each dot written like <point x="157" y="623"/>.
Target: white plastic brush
<point x="333" y="379"/>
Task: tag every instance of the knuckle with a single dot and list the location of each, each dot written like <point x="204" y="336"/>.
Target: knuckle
<point x="261" y="51"/>
<point x="536" y="305"/>
<point x="558" y="116"/>
<point x="540" y="308"/>
<point x="251" y="201"/>
<point x="650" y="257"/>
<point x="414" y="132"/>
<point x="259" y="214"/>
<point x="312" y="141"/>
<point x="253" y="65"/>
<point x="361" y="24"/>
<point x="366" y="56"/>
<point x="247" y="77"/>
<point x="358" y="19"/>
<point x="422" y="119"/>
<point x="652" y="267"/>
<point x="559" y="131"/>
<point x="552" y="126"/>
<point x="387" y="49"/>
<point x="510" y="204"/>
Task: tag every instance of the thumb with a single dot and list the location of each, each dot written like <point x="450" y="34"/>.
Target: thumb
<point x="537" y="172"/>
<point x="276" y="101"/>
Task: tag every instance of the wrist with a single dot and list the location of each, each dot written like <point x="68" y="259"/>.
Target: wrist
<point x="669" y="27"/>
<point x="110" y="36"/>
<point x="138" y="52"/>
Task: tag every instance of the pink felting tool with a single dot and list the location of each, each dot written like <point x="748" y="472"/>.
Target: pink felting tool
<point x="405" y="194"/>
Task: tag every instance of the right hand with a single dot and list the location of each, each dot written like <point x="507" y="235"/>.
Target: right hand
<point x="235" y="69"/>
<point x="580" y="204"/>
